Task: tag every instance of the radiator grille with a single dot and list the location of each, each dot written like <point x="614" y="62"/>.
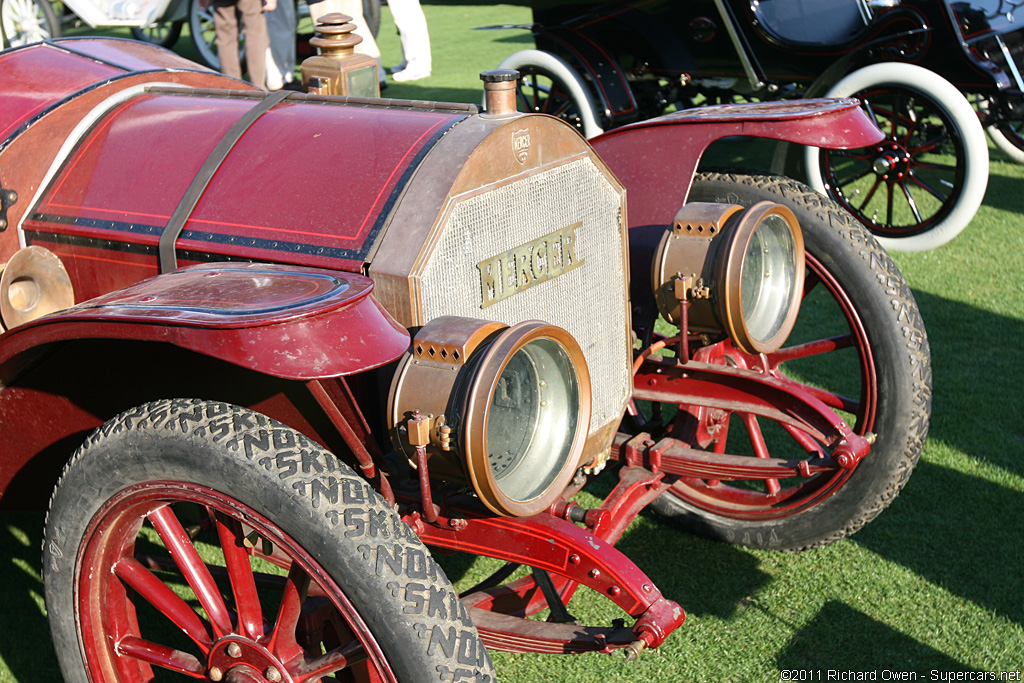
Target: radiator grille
<point x="589" y="301"/>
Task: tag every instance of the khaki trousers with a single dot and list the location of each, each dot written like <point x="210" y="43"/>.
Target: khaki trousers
<point x="254" y="28"/>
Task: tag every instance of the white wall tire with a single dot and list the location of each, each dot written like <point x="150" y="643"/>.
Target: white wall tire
<point x="548" y="85"/>
<point x="1008" y="139"/>
<point x="943" y="197"/>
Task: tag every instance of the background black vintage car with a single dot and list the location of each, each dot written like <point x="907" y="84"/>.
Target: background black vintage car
<point x="915" y="63"/>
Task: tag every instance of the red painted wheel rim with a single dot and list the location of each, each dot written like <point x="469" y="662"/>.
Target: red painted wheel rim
<point x="739" y="502"/>
<point x="136" y="553"/>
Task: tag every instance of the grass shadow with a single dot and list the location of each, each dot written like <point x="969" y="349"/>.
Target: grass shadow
<point x="1003" y="190"/>
<point x="967" y="367"/>
<point x="863" y="644"/>
<point x="727" y="575"/>
<point x="959" y="533"/>
<point x="25" y="645"/>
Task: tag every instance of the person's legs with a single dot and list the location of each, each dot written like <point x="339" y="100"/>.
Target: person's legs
<point x="281" y="29"/>
<point x="225" y="24"/>
<point x="412" y="27"/>
<point x="254" y="28"/>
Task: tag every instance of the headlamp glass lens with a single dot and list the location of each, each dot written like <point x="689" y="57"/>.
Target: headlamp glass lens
<point x="769" y="276"/>
<point x="532" y="419"/>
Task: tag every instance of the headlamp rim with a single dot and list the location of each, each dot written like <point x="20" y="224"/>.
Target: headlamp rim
<point x="476" y="411"/>
<point x="731" y="260"/>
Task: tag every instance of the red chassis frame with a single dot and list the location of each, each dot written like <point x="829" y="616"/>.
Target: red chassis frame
<point x="554" y="543"/>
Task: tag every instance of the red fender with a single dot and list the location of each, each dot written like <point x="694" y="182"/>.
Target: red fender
<point x="656" y="159"/>
<point x="285" y="321"/>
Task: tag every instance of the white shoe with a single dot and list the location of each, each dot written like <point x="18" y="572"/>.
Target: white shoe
<point x="409" y="75"/>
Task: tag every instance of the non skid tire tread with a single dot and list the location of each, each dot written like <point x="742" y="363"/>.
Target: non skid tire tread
<point x="914" y="358"/>
<point x="373" y="539"/>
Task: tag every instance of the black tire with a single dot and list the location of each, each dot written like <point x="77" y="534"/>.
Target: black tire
<point x="164" y="34"/>
<point x="27" y="21"/>
<point x="853" y="274"/>
<point x="356" y="574"/>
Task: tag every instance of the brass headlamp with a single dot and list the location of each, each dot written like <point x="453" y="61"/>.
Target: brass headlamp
<point x="741" y="272"/>
<point x="507" y="408"/>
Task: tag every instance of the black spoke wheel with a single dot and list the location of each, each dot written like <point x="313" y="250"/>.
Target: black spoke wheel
<point x="197" y="540"/>
<point x="548" y="85"/>
<point x="921" y="185"/>
<point x="859" y="346"/>
<point x="164" y="34"/>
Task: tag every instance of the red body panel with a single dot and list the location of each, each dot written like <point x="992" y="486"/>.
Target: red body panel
<point x="53" y="77"/>
<point x="248" y="211"/>
<point x="39" y="76"/>
<point x="109" y="199"/>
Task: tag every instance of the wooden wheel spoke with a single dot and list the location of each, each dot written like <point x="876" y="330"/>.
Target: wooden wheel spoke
<point x="928" y="188"/>
<point x="565" y="106"/>
<point x="888" y="206"/>
<point x="929" y="145"/>
<point x="243" y="582"/>
<point x="804" y="439"/>
<point x="166" y="601"/>
<point x="832" y="399"/>
<point x="870" y="194"/>
<point x="854" y="178"/>
<point x="192" y="566"/>
<point x="870" y="109"/>
<point x="934" y="166"/>
<point x="760" y="448"/>
<point x="911" y="202"/>
<point x="811" y="348"/>
<point x="284" y="640"/>
<point x="337" y="659"/>
<point x="161" y="656"/>
<point x="852" y="154"/>
<point x="811" y="280"/>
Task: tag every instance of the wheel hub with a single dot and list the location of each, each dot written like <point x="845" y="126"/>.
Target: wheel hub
<point x="892" y="162"/>
<point x="237" y="660"/>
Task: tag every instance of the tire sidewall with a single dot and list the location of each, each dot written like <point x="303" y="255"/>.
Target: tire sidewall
<point x="963" y="118"/>
<point x="291" y="483"/>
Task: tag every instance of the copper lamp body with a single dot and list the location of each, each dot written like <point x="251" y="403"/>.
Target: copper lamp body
<point x="740" y="271"/>
<point x="507" y="409"/>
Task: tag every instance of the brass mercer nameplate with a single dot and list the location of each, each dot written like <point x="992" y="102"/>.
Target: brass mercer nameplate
<point x="527" y="265"/>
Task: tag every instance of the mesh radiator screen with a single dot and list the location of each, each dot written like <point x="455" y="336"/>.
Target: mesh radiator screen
<point x="589" y="301"/>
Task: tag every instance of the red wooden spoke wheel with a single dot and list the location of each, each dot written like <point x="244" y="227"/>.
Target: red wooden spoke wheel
<point x="246" y="633"/>
<point x="859" y="346"/>
<point x="196" y="540"/>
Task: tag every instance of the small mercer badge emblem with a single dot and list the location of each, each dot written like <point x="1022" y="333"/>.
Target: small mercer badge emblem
<point x="521" y="144"/>
<point x="528" y="265"/>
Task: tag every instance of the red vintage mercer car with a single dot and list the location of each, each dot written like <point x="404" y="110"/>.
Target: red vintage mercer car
<point x="266" y="353"/>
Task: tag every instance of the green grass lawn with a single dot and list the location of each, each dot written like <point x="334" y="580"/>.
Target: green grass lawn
<point x="936" y="583"/>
